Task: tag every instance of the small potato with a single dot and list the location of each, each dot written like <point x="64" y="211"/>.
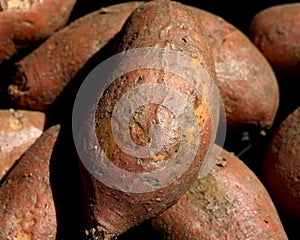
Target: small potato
<point x="281" y="166"/>
<point x="229" y="203"/>
<point x="276" y="32"/>
<point x="18" y="131"/>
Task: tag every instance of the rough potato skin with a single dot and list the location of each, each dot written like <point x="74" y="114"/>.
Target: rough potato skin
<point x="42" y="75"/>
<point x="25" y="22"/>
<point x="26" y="205"/>
<point x="247" y="83"/>
<point x="229" y="203"/>
<point x="281" y="167"/>
<point x="18" y="131"/>
<point x="275" y="31"/>
<point x="158" y="24"/>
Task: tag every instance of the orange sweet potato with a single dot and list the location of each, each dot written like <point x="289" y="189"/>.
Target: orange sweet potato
<point x="111" y="209"/>
<point x="281" y="166"/>
<point x="246" y="81"/>
<point x="42" y="75"/>
<point x="229" y="203"/>
<point x="18" y="131"/>
<point x="275" y="31"/>
<point x="26" y="203"/>
<point x="25" y="22"/>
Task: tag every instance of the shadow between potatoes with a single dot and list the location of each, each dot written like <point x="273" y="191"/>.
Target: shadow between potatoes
<point x="143" y="231"/>
<point x="66" y="187"/>
<point x="62" y="108"/>
<point x="65" y="178"/>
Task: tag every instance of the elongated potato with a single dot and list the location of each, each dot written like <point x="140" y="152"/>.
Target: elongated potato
<point x="247" y="83"/>
<point x="117" y="200"/>
<point x="229" y="203"/>
<point x="18" y="131"/>
<point x="26" y="203"/>
<point x="276" y="32"/>
<point x="26" y="22"/>
<point x="281" y="166"/>
<point x="42" y="75"/>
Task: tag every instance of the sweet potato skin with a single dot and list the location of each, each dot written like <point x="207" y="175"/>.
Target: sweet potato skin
<point x="18" y="131"/>
<point x="247" y="83"/>
<point x="42" y="75"/>
<point x="25" y="22"/>
<point x="158" y="24"/>
<point x="281" y="166"/>
<point x="275" y="31"/>
<point x="229" y="203"/>
<point x="26" y="203"/>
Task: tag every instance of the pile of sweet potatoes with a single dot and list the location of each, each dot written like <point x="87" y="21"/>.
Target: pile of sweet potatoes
<point x="149" y="120"/>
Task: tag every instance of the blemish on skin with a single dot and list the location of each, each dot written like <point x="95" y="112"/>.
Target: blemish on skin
<point x="23" y="236"/>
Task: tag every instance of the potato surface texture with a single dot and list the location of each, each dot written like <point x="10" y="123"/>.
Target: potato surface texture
<point x="25" y="22"/>
<point x="18" y="131"/>
<point x="229" y="203"/>
<point x="43" y="74"/>
<point x="26" y="204"/>
<point x="281" y="166"/>
<point x="276" y="32"/>
<point x="154" y="25"/>
<point x="246" y="80"/>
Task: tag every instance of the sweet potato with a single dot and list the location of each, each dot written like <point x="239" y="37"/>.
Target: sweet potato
<point x="275" y="31"/>
<point x="42" y="75"/>
<point x="281" y="166"/>
<point x="25" y="22"/>
<point x="247" y="83"/>
<point x="229" y="203"/>
<point x="26" y="203"/>
<point x="18" y="131"/>
<point x="116" y="201"/>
